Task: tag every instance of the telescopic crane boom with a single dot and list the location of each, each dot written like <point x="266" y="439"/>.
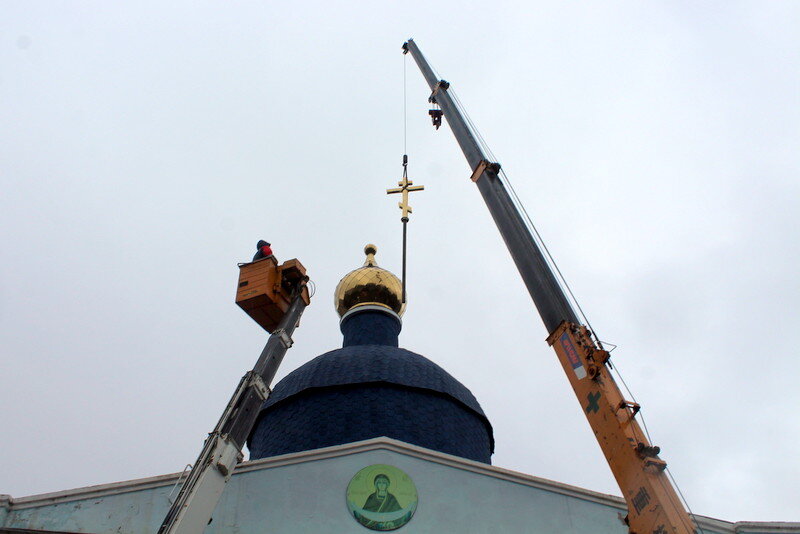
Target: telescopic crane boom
<point x="653" y="503"/>
<point x="275" y="297"/>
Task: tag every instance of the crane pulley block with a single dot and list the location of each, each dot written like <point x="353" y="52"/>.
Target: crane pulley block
<point x="265" y="289"/>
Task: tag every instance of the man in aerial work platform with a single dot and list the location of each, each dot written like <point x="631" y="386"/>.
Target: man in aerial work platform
<point x="263" y="250"/>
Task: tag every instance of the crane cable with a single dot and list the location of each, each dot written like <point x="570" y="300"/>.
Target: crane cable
<point x="560" y="279"/>
<point x="405" y="105"/>
<point x="404" y="219"/>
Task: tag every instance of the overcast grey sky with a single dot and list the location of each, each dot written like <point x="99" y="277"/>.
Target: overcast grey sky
<point x="146" y="147"/>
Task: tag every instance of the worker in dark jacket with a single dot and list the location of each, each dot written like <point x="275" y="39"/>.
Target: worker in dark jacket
<point x="263" y="250"/>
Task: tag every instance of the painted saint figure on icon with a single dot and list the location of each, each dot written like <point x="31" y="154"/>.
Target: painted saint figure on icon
<point x="381" y="501"/>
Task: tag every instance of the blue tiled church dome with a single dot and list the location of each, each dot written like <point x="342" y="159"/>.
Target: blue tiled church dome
<point x="371" y="388"/>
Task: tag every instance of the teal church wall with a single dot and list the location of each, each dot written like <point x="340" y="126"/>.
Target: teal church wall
<point x="306" y="493"/>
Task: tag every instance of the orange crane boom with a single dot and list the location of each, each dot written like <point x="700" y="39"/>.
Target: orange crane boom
<point x="653" y="503"/>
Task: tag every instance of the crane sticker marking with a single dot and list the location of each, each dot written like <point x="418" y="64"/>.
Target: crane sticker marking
<point x="641" y="500"/>
<point x="593" y="406"/>
<point x="572" y="356"/>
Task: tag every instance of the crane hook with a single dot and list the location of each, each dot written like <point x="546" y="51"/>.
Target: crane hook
<point x="436" y="117"/>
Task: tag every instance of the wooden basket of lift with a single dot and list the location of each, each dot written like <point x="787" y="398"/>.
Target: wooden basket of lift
<point x="265" y="289"/>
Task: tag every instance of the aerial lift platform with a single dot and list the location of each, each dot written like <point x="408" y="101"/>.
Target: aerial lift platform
<point x="265" y="289"/>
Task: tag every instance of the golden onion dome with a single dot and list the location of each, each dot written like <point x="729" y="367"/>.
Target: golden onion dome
<point x="369" y="285"/>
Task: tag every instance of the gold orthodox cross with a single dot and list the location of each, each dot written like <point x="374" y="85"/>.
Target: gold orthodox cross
<point x="406" y="187"/>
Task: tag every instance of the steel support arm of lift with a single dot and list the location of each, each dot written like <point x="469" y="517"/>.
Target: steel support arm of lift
<point x="222" y="450"/>
<point x="547" y="295"/>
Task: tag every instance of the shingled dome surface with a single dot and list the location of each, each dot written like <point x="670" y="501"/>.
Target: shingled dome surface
<point x="369" y="390"/>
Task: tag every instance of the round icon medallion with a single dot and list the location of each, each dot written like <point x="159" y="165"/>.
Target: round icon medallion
<point x="382" y="497"/>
